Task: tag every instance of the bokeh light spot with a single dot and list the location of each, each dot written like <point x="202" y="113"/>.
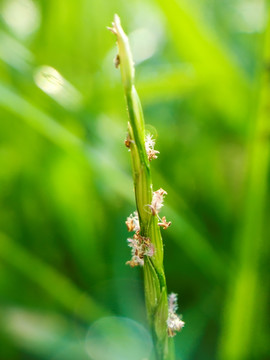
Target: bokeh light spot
<point x="56" y="86"/>
<point x="250" y="16"/>
<point x="144" y="44"/>
<point x="117" y="338"/>
<point x="22" y="16"/>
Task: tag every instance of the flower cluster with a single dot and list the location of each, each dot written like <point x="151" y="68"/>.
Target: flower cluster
<point x="174" y="321"/>
<point x="157" y="201"/>
<point x="149" y="146"/>
<point x="140" y="246"/>
<point x="132" y="222"/>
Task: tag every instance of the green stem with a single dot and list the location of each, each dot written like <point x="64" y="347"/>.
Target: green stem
<point x="154" y="278"/>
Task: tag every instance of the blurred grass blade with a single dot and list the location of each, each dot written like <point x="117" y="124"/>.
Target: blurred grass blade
<point x="240" y="316"/>
<point x="164" y="83"/>
<point x="52" y="282"/>
<point x="197" y="43"/>
<point x="37" y="119"/>
<point x="198" y="249"/>
<point x="41" y="334"/>
<point x="15" y="54"/>
<point x="47" y="126"/>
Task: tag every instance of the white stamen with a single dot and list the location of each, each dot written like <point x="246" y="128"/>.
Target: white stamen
<point x="140" y="247"/>
<point x="132" y="222"/>
<point x="174" y="321"/>
<point x="149" y="146"/>
<point x="157" y="201"/>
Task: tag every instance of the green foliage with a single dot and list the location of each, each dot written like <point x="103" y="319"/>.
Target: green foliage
<point x="66" y="188"/>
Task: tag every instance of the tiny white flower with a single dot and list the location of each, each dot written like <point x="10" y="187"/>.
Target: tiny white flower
<point x="157" y="201"/>
<point x="140" y="246"/>
<point x="172" y="302"/>
<point x="174" y="321"/>
<point x="132" y="222"/>
<point x="149" y="146"/>
<point x="150" y="250"/>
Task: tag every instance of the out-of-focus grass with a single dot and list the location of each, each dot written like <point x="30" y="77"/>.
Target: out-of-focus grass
<point x="65" y="185"/>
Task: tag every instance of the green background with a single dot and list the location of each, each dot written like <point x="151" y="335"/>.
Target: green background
<point x="65" y="174"/>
